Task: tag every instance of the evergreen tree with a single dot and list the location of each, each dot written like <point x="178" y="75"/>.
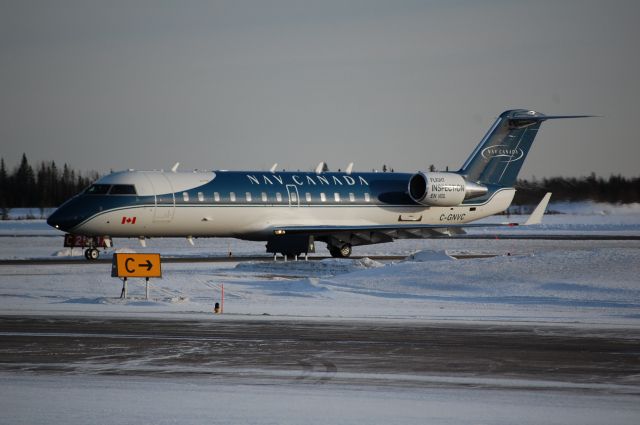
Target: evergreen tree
<point x="4" y="191"/>
<point x="24" y="185"/>
<point x="4" y="185"/>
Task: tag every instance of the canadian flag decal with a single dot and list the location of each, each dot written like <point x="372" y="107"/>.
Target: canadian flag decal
<point x="128" y="220"/>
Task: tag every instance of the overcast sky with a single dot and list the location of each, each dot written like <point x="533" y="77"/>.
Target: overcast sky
<point x="243" y="84"/>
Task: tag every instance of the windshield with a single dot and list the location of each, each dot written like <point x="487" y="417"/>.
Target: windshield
<point x="122" y="189"/>
<point x="98" y="189"/>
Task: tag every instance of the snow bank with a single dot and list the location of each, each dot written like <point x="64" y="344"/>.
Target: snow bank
<point x="594" y="208"/>
<point x="69" y="252"/>
<point x="326" y="267"/>
<point x="30" y="213"/>
<point x="428" y="255"/>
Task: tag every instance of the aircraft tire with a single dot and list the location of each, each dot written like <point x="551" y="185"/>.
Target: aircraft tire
<point x="93" y="254"/>
<point x="343" y="251"/>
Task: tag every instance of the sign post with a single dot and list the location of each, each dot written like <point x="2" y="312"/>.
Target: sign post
<point x="136" y="265"/>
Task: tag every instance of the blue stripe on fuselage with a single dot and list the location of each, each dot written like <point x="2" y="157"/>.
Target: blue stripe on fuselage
<point x="383" y="188"/>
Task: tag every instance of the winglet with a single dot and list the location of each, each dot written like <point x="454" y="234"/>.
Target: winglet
<point x="175" y="167"/>
<point x="538" y="212"/>
<point x="273" y="168"/>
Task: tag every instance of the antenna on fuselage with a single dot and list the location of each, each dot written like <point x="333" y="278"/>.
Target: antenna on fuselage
<point x="322" y="167"/>
<point x="273" y="168"/>
<point x="175" y="167"/>
<point x="349" y="168"/>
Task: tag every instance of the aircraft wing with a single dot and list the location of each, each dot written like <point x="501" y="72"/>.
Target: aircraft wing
<point x="367" y="234"/>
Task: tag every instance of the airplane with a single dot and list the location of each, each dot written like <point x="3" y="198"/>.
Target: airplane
<point x="293" y="210"/>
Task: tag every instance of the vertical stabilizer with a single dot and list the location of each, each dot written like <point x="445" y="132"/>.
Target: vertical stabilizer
<point x="498" y="158"/>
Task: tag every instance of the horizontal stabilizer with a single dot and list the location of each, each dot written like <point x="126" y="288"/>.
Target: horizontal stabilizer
<point x="542" y="117"/>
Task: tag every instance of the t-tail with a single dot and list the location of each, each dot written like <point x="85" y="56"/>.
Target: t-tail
<point x="498" y="158"/>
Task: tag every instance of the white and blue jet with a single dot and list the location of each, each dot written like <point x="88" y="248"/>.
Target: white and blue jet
<point x="292" y="210"/>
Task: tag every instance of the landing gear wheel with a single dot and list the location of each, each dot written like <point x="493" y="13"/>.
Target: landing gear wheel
<point x="91" y="254"/>
<point x="340" y="252"/>
<point x="345" y="251"/>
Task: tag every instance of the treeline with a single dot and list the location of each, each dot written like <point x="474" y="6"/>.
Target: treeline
<point x="616" y="189"/>
<point x="48" y="186"/>
<point x="42" y="187"/>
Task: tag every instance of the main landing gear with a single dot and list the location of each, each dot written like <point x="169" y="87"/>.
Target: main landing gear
<point x="343" y="251"/>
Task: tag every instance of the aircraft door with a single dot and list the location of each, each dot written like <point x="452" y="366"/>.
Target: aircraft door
<point x="294" y="198"/>
<point x="165" y="202"/>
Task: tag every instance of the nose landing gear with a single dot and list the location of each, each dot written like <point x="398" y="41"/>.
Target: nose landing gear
<point x="90" y="244"/>
<point x="91" y="253"/>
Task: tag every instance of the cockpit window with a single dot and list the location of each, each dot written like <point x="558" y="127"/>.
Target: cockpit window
<point x="98" y="189"/>
<point x="122" y="189"/>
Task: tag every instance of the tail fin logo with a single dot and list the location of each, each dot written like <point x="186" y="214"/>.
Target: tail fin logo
<point x="503" y="152"/>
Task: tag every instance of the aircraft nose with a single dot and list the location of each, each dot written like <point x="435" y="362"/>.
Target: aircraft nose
<point x="51" y="223"/>
<point x="54" y="219"/>
<point x="61" y="219"/>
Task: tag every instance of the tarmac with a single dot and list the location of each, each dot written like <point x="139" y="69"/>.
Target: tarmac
<point x="386" y="353"/>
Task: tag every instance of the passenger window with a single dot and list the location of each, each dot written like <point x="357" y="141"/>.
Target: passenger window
<point x="185" y="196"/>
<point x="122" y="189"/>
<point x="216" y="196"/>
<point x="98" y="189"/>
<point x="294" y="197"/>
<point x="200" y="196"/>
<point x="278" y="197"/>
<point x="336" y="196"/>
<point x="352" y="197"/>
<point x="248" y="196"/>
<point x="232" y="196"/>
<point x="323" y="197"/>
<point x="264" y="197"/>
<point x="308" y="197"/>
<point x="367" y="197"/>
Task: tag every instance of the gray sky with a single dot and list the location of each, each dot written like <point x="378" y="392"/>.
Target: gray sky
<point x="243" y="84"/>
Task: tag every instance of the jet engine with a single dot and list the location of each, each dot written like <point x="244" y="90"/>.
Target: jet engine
<point x="442" y="189"/>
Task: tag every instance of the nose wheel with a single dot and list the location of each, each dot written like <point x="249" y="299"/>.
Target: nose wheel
<point x="91" y="253"/>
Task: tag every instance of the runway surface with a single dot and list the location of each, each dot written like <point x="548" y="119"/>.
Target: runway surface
<point x="213" y="259"/>
<point x="205" y="257"/>
<point x="345" y="352"/>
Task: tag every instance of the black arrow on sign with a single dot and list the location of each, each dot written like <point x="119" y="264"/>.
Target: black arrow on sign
<point x="149" y="265"/>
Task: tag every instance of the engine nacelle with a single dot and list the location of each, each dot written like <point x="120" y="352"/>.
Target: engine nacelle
<point x="442" y="189"/>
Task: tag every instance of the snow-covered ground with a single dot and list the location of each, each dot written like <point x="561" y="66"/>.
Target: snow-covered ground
<point x="588" y="282"/>
<point x="117" y="400"/>
<point x="570" y="283"/>
<point x="575" y="283"/>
